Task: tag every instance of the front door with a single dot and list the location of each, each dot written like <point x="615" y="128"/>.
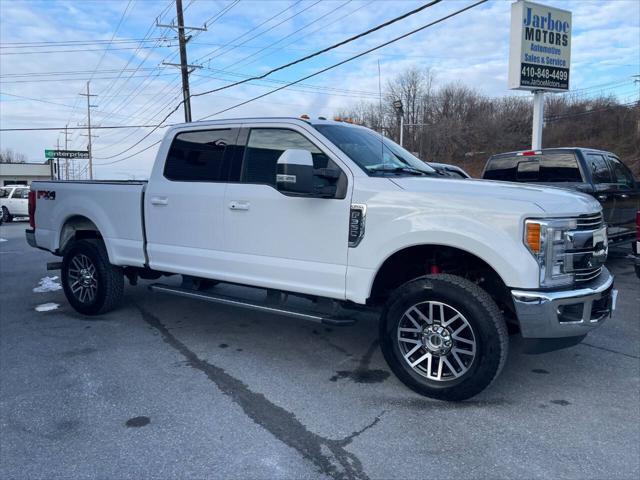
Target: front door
<point x="280" y="241"/>
<point x="627" y="198"/>
<point x="184" y="203"/>
<point x="603" y="184"/>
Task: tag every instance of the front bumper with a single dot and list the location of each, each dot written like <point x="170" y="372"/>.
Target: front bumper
<point x="565" y="313"/>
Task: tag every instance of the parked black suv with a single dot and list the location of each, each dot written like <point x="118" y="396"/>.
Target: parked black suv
<point x="598" y="173"/>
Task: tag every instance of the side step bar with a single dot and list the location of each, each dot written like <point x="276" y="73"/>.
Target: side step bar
<point x="319" y="317"/>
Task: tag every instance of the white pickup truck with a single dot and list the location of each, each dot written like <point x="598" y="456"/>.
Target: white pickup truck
<point x="329" y="218"/>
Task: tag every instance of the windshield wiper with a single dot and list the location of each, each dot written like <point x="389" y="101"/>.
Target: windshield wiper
<point x="407" y="169"/>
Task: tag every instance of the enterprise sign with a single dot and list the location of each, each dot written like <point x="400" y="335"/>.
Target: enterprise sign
<point x="66" y="154"/>
<point x="540" y="49"/>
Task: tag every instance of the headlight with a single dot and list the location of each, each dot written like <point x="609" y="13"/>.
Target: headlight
<point x="547" y="242"/>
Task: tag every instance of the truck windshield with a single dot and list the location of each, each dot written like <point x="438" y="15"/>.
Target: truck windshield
<point x="374" y="153"/>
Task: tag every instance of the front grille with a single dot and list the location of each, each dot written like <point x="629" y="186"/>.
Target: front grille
<point x="584" y="263"/>
<point x="590" y="222"/>
<point x="587" y="274"/>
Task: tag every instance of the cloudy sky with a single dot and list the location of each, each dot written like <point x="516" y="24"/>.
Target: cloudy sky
<point x="51" y="48"/>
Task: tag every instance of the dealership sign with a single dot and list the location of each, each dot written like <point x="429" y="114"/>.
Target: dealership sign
<point x="540" y="51"/>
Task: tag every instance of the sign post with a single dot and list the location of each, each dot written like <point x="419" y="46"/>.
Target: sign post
<point x="539" y="56"/>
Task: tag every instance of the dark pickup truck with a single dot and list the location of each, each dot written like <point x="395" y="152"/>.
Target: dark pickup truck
<point x="598" y="173"/>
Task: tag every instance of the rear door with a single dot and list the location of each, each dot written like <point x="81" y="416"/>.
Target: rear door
<point x="184" y="202"/>
<point x="603" y="184"/>
<point x="627" y="199"/>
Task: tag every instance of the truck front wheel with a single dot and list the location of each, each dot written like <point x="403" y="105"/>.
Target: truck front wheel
<point x="444" y="337"/>
<point x="91" y="284"/>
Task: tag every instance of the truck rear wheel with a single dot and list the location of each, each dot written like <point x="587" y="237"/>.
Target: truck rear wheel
<point x="91" y="284"/>
<point x="443" y="337"/>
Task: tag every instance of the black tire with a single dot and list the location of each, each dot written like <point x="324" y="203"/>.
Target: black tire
<point x="481" y="316"/>
<point x="6" y="217"/>
<point x="106" y="283"/>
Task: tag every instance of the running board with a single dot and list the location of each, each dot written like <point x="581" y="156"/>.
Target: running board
<point x="318" y="317"/>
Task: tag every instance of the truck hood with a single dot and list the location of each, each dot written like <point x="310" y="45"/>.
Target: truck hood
<point x="553" y="201"/>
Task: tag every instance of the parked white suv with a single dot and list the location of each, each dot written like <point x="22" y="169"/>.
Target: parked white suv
<point x="338" y="216"/>
<point x="13" y="202"/>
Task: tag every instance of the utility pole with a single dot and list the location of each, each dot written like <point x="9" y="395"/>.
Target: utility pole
<point x="58" y="160"/>
<point x="184" y="66"/>
<point x="66" y="147"/>
<point x="89" y="95"/>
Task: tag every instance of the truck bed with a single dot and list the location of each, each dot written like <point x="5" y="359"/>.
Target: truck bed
<point x="113" y="206"/>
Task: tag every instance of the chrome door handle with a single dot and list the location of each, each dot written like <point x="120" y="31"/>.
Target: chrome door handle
<point x="602" y="198"/>
<point x="159" y="201"/>
<point x="624" y="195"/>
<point x="235" y="205"/>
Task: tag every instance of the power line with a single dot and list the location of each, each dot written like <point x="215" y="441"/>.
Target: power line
<point x="249" y="31"/>
<point x="72" y="79"/>
<point x="330" y="67"/>
<point x="554" y="118"/>
<point x="307" y="34"/>
<point x="65" y="72"/>
<point x="137" y="90"/>
<point x="351" y="39"/>
<point x="267" y="30"/>
<point x="314" y="89"/>
<point x="132" y="155"/>
<point x="334" y="46"/>
<point x="101" y="127"/>
<point x="122" y="17"/>
<point x="228" y="67"/>
<point x="68" y="43"/>
<point x="83" y="50"/>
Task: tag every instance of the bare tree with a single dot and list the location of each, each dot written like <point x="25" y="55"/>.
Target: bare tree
<point x="8" y="155"/>
<point x="458" y="125"/>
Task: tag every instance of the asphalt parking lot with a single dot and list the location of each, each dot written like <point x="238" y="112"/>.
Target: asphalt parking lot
<point x="167" y="387"/>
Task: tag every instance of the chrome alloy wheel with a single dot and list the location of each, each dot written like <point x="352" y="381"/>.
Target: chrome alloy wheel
<point x="82" y="278"/>
<point x="436" y="341"/>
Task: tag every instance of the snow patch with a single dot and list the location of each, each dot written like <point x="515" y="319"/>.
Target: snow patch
<point x="47" y="284"/>
<point x="47" y="307"/>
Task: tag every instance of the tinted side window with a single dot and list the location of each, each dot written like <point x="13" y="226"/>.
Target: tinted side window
<point x="621" y="173"/>
<point x="265" y="146"/>
<point x="200" y="156"/>
<point x="599" y="169"/>
<point x="4" y="192"/>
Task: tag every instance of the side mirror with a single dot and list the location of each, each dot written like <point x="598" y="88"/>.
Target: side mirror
<point x="295" y="175"/>
<point x="295" y="172"/>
